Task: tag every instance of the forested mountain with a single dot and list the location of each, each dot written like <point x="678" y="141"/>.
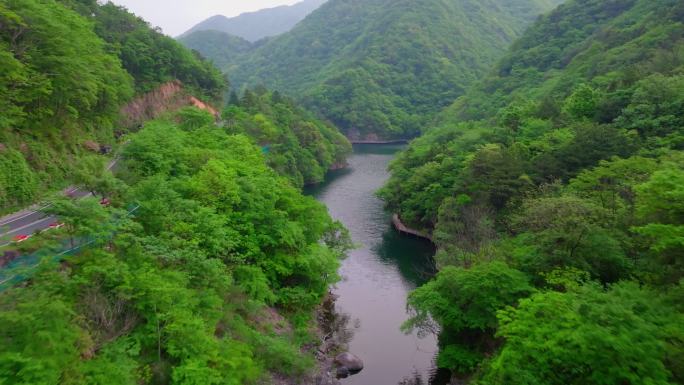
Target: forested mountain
<point x="553" y="189"/>
<point x="149" y="56"/>
<point x="297" y="145"/>
<point x="205" y="262"/>
<point x="550" y="176"/>
<point x="253" y="26"/>
<point x="222" y="48"/>
<point x="379" y="67"/>
<point x="67" y="77"/>
<point x="184" y="291"/>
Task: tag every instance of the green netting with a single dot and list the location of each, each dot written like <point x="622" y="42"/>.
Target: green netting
<point x="24" y="266"/>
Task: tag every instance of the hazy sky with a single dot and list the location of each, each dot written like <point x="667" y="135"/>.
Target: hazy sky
<point x="177" y="16"/>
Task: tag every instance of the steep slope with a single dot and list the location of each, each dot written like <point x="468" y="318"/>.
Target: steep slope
<point x="553" y="189"/>
<point x="253" y="26"/>
<point x="58" y="85"/>
<point x="296" y="144"/>
<point x="213" y="281"/>
<point x="222" y="48"/>
<point x="587" y="50"/>
<point x="380" y="66"/>
<point x="65" y="77"/>
<point x="608" y="43"/>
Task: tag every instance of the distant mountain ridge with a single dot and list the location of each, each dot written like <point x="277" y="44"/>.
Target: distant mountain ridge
<point x="253" y="26"/>
<point x="378" y="68"/>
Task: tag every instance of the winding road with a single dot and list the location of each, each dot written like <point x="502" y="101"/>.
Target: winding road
<point x="33" y="219"/>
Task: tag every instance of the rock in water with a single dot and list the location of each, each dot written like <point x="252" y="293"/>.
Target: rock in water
<point x="349" y="361"/>
<point x="342" y="372"/>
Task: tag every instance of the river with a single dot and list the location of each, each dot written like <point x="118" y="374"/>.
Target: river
<point x="378" y="275"/>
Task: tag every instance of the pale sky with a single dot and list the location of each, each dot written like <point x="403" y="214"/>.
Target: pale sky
<point x="177" y="16"/>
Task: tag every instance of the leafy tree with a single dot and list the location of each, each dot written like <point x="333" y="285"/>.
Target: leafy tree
<point x="582" y="103"/>
<point x="655" y="106"/>
<point x="354" y="63"/>
<point x="660" y="208"/>
<point x="568" y="232"/>
<point x="590" y="336"/>
<point x="41" y="339"/>
<point x="84" y="219"/>
<point x="464" y="302"/>
<point x="296" y="144"/>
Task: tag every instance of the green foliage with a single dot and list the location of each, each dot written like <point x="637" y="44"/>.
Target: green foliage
<point x="660" y="212"/>
<point x="40" y="337"/>
<point x="464" y="303"/>
<point x="566" y="231"/>
<point x="178" y="293"/>
<point x="589" y="336"/>
<point x="58" y="86"/>
<point x="589" y="48"/>
<point x="153" y="58"/>
<point x="63" y="80"/>
<point x="382" y="67"/>
<point x="582" y="103"/>
<point x="566" y="164"/>
<point x="18" y="183"/>
<point x="297" y="145"/>
<point x="656" y="105"/>
<point x="541" y="135"/>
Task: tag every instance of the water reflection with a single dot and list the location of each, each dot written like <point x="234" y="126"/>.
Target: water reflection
<point x="412" y="256"/>
<point x="437" y="377"/>
<point x="378" y="275"/>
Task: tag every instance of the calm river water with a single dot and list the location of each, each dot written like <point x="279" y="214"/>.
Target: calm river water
<point x="378" y="275"/>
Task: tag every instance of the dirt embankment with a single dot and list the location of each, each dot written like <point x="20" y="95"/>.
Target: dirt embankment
<point x="167" y="97"/>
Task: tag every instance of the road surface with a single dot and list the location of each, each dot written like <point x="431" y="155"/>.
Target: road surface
<point x="33" y="220"/>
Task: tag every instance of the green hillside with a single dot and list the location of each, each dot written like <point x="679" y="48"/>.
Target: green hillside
<point x="381" y="66"/>
<point x="555" y="186"/>
<point x="297" y="145"/>
<point x="64" y="80"/>
<point x="207" y="264"/>
<point x="222" y="48"/>
<point x="611" y="44"/>
<point x="58" y="84"/>
<point x="68" y="69"/>
<point x="184" y="291"/>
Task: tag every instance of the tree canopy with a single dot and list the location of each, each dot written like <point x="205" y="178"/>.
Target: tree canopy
<point x="565" y="164"/>
<point x="381" y="67"/>
<point x="188" y="289"/>
<point x="67" y="69"/>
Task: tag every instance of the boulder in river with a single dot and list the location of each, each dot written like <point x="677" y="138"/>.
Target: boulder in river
<point x="342" y="372"/>
<point x="349" y="361"/>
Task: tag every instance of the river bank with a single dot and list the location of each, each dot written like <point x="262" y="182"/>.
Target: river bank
<point x="378" y="275"/>
<point x="403" y="229"/>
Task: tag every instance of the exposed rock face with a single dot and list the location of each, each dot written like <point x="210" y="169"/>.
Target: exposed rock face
<point x="349" y="361"/>
<point x="91" y="145"/>
<point x="167" y="97"/>
<point x="342" y="372"/>
<point x="203" y="106"/>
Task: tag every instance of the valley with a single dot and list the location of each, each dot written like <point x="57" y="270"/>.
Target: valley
<point x="343" y="192"/>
